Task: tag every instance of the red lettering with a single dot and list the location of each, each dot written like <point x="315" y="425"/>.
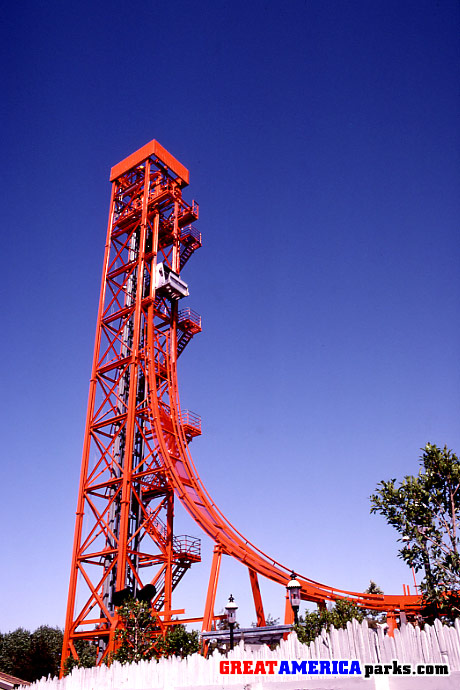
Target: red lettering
<point x="271" y="666"/>
<point x="235" y="667"/>
<point x="260" y="667"/>
<point x="247" y="666"/>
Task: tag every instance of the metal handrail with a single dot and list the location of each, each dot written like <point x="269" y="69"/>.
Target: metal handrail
<point x="190" y="231"/>
<point x="189" y="315"/>
<point x="190" y="419"/>
<point x="186" y="417"/>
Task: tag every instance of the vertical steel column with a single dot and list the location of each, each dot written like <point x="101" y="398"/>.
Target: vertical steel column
<point x="257" y="598"/>
<point x="212" y="589"/>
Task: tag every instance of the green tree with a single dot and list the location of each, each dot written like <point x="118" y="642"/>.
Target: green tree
<point x="31" y="656"/>
<point x="313" y="622"/>
<point x="140" y="637"/>
<point x="179" y="642"/>
<point x="87" y="656"/>
<point x="16" y="654"/>
<point x="46" y="644"/>
<point x="425" y="511"/>
<point x="373" y="617"/>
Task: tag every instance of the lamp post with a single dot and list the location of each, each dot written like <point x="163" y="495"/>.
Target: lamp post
<point x="231" y="616"/>
<point x="293" y="588"/>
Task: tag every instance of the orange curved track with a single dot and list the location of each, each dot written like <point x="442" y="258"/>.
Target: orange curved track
<point x="136" y="449"/>
<point x="193" y="494"/>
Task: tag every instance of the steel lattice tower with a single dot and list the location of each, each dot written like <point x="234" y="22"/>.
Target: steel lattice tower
<point x="124" y="527"/>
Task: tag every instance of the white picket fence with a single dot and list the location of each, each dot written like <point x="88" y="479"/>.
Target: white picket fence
<point x="437" y="644"/>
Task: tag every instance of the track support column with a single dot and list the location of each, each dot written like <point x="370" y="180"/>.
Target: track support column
<point x="392" y="623"/>
<point x="257" y="598"/>
<point x="212" y="589"/>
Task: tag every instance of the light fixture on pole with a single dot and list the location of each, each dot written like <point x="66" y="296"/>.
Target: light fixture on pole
<point x="293" y="588"/>
<point x="231" y="616"/>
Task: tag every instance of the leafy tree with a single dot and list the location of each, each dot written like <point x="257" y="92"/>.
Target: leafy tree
<point x="425" y="510"/>
<point x="312" y="623"/>
<point x="140" y="637"/>
<point x="373" y="588"/>
<point x="179" y="642"/>
<point x="87" y="656"/>
<point x="46" y="650"/>
<point x="270" y="620"/>
<point x="16" y="654"/>
<point x="373" y="617"/>
<point x="31" y="656"/>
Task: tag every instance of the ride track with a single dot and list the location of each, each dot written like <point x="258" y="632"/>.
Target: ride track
<point x="136" y="450"/>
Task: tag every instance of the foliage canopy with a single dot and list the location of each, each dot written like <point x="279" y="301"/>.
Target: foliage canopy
<point x="140" y="637"/>
<point x="425" y="511"/>
<point x="31" y="656"/>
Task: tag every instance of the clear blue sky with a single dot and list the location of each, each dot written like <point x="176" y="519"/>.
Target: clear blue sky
<point x="322" y="139"/>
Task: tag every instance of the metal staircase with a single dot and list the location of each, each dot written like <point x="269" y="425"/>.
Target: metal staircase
<point x="190" y="239"/>
<point x="188" y="325"/>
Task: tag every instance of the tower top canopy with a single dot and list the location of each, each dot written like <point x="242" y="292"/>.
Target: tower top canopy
<point x="153" y="148"/>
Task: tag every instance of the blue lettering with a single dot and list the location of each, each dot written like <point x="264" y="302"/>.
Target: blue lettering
<point x="313" y="667"/>
<point x="343" y="667"/>
<point x="334" y="666"/>
<point x="299" y="668"/>
<point x="284" y="667"/>
<point x="324" y="667"/>
<point x="355" y="667"/>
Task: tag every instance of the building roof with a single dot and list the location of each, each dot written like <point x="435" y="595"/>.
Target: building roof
<point x="8" y="682"/>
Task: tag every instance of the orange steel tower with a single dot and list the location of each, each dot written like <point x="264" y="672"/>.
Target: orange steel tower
<point x="124" y="526"/>
<point x="135" y="456"/>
